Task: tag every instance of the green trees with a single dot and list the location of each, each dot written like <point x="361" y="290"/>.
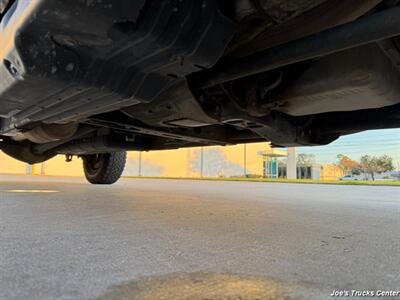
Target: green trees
<point x="348" y="165"/>
<point x="373" y="164"/>
<point x="367" y="164"/>
<point x="305" y="160"/>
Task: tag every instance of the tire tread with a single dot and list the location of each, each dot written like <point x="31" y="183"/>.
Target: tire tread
<point x="112" y="170"/>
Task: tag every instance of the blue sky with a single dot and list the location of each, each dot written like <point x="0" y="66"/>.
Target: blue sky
<point x="372" y="142"/>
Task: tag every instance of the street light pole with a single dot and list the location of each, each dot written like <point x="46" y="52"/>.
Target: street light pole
<point x="140" y="163"/>
<point x="201" y="162"/>
<point x="244" y="160"/>
<point x="42" y="169"/>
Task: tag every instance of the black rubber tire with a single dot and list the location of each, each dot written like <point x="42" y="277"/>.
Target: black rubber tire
<point x="104" y="168"/>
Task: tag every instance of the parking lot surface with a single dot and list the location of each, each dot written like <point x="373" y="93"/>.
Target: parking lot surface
<point x="61" y="238"/>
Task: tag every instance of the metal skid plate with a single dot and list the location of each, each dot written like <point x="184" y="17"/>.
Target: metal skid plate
<point x="62" y="61"/>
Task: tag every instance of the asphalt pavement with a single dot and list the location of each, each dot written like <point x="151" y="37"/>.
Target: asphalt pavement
<point x="61" y="238"/>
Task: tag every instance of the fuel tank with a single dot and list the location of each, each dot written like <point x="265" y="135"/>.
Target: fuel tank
<point x="360" y="78"/>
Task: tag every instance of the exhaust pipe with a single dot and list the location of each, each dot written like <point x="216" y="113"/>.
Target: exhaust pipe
<point x="99" y="144"/>
<point x="368" y="29"/>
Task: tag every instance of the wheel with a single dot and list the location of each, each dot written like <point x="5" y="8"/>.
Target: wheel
<point x="105" y="168"/>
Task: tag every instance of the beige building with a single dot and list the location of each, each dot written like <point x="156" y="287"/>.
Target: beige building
<point x="185" y="162"/>
<point x="215" y="161"/>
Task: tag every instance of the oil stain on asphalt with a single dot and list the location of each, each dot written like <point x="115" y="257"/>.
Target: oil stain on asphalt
<point x="203" y="286"/>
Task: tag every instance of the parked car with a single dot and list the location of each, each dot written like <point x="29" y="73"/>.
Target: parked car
<point x="349" y="177"/>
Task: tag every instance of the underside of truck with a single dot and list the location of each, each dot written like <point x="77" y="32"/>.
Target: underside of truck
<point x="96" y="77"/>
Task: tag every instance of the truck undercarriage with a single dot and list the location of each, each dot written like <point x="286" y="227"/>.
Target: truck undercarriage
<point x="85" y="77"/>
